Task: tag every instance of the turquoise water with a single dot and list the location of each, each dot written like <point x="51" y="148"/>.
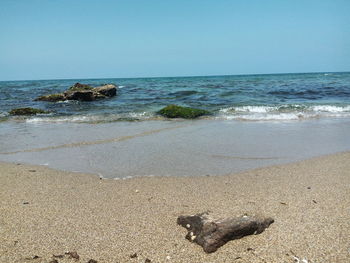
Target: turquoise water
<point x="243" y="97"/>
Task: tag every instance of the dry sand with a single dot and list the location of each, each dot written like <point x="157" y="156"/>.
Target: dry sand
<point x="45" y="212"/>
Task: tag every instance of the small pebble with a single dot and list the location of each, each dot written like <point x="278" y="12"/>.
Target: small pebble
<point x="147" y="260"/>
<point x="133" y="255"/>
<point x="136" y="191"/>
<point x="168" y="257"/>
<point x="188" y="226"/>
<point x="33" y="257"/>
<point x="73" y="254"/>
<point x="92" y="261"/>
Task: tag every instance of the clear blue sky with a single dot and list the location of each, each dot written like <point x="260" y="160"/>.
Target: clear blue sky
<point x="50" y="39"/>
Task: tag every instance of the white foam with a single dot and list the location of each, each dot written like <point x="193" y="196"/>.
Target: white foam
<point x="330" y="108"/>
<point x="257" y="109"/>
<point x="267" y="117"/>
<point x="3" y="114"/>
<point x="92" y="118"/>
<point x="283" y="112"/>
<point x="59" y="119"/>
<point x="138" y="114"/>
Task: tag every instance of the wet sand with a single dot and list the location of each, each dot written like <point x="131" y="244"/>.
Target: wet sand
<point x="46" y="212"/>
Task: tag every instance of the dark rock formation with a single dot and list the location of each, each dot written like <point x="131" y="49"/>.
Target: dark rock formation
<point x="27" y="111"/>
<point x="82" y="92"/>
<point x="83" y="95"/>
<point x="107" y="90"/>
<point x="175" y="111"/>
<point x="212" y="234"/>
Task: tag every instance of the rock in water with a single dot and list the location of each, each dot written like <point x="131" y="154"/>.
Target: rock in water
<point x="212" y="234"/>
<point x="82" y="92"/>
<point x="52" y="97"/>
<point x="107" y="90"/>
<point x="27" y="111"/>
<point x="83" y="95"/>
<point x="79" y="87"/>
<point x="175" y="111"/>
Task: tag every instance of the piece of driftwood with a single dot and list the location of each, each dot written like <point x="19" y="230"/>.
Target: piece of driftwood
<point x="212" y="234"/>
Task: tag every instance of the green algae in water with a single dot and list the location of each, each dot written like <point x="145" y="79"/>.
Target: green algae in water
<point x="27" y="111"/>
<point x="52" y="97"/>
<point x="175" y="111"/>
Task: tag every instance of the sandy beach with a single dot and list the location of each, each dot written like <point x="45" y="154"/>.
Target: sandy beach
<point x="175" y="131"/>
<point x="45" y="212"/>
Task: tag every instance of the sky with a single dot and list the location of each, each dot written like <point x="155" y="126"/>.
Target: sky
<point x="62" y="39"/>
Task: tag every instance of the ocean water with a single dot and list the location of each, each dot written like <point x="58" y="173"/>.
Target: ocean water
<point x="277" y="97"/>
<point x="256" y="121"/>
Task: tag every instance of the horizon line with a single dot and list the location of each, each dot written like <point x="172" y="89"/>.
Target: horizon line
<point x="184" y="76"/>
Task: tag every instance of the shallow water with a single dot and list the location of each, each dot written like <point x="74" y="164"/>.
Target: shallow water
<point x="168" y="148"/>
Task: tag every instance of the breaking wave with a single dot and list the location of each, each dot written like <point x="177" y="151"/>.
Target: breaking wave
<point x="283" y="112"/>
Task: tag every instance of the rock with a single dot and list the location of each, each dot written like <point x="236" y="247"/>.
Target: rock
<point x="33" y="257"/>
<point x="212" y="234"/>
<point x="175" y="111"/>
<point x="79" y="87"/>
<point x="133" y="255"/>
<point x="83" y="95"/>
<point x="92" y="261"/>
<point x="27" y="111"/>
<point x="52" y="97"/>
<point x="107" y="90"/>
<point x="147" y="260"/>
<point x="73" y="254"/>
<point x="82" y="92"/>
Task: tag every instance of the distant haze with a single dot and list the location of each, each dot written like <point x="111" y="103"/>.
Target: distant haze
<point x="119" y="39"/>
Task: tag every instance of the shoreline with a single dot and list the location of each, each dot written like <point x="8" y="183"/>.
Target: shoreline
<point x="46" y="212"/>
<point x="171" y="148"/>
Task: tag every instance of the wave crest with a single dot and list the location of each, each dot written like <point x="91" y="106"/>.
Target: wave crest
<point x="283" y="112"/>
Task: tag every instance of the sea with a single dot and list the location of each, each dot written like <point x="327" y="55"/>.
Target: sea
<point x="279" y="97"/>
<point x="255" y="121"/>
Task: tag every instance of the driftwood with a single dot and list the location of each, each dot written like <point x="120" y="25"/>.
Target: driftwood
<point x="212" y="234"/>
